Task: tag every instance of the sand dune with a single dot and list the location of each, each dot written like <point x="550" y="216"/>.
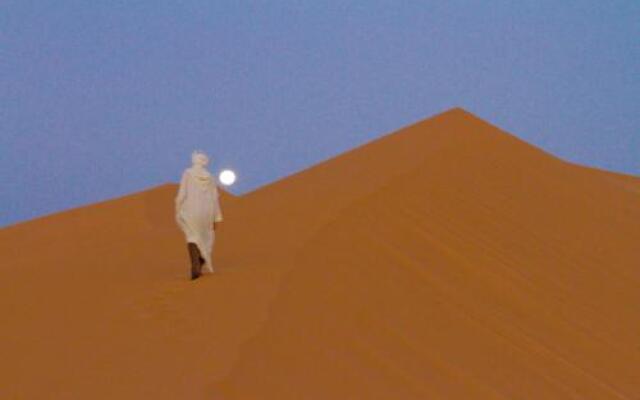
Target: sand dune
<point x="449" y="260"/>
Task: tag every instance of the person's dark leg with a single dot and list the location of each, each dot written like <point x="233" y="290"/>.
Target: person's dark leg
<point x="196" y="265"/>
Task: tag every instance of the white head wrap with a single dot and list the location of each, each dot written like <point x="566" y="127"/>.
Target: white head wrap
<point x="199" y="158"/>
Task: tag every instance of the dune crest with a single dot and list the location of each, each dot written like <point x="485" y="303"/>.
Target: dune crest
<point x="447" y="260"/>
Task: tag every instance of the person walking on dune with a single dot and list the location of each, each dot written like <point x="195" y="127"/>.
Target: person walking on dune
<point x="198" y="211"/>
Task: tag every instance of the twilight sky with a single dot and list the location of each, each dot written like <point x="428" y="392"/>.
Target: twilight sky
<point x="103" y="98"/>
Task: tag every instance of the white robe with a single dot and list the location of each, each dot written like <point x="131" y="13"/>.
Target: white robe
<point x="197" y="207"/>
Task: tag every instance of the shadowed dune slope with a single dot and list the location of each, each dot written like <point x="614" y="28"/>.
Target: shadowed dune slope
<point x="449" y="260"/>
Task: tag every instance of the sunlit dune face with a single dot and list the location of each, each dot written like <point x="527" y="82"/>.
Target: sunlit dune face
<point x="227" y="177"/>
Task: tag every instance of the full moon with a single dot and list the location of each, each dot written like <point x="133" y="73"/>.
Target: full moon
<point x="227" y="177"/>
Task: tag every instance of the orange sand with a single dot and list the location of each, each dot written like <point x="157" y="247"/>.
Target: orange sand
<point x="449" y="260"/>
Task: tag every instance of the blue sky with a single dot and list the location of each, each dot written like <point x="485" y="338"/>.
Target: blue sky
<point x="103" y="98"/>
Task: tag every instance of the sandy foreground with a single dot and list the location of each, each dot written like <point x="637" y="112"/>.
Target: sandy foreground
<point x="448" y="260"/>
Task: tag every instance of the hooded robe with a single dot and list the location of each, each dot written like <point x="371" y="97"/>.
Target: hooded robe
<point x="197" y="207"/>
